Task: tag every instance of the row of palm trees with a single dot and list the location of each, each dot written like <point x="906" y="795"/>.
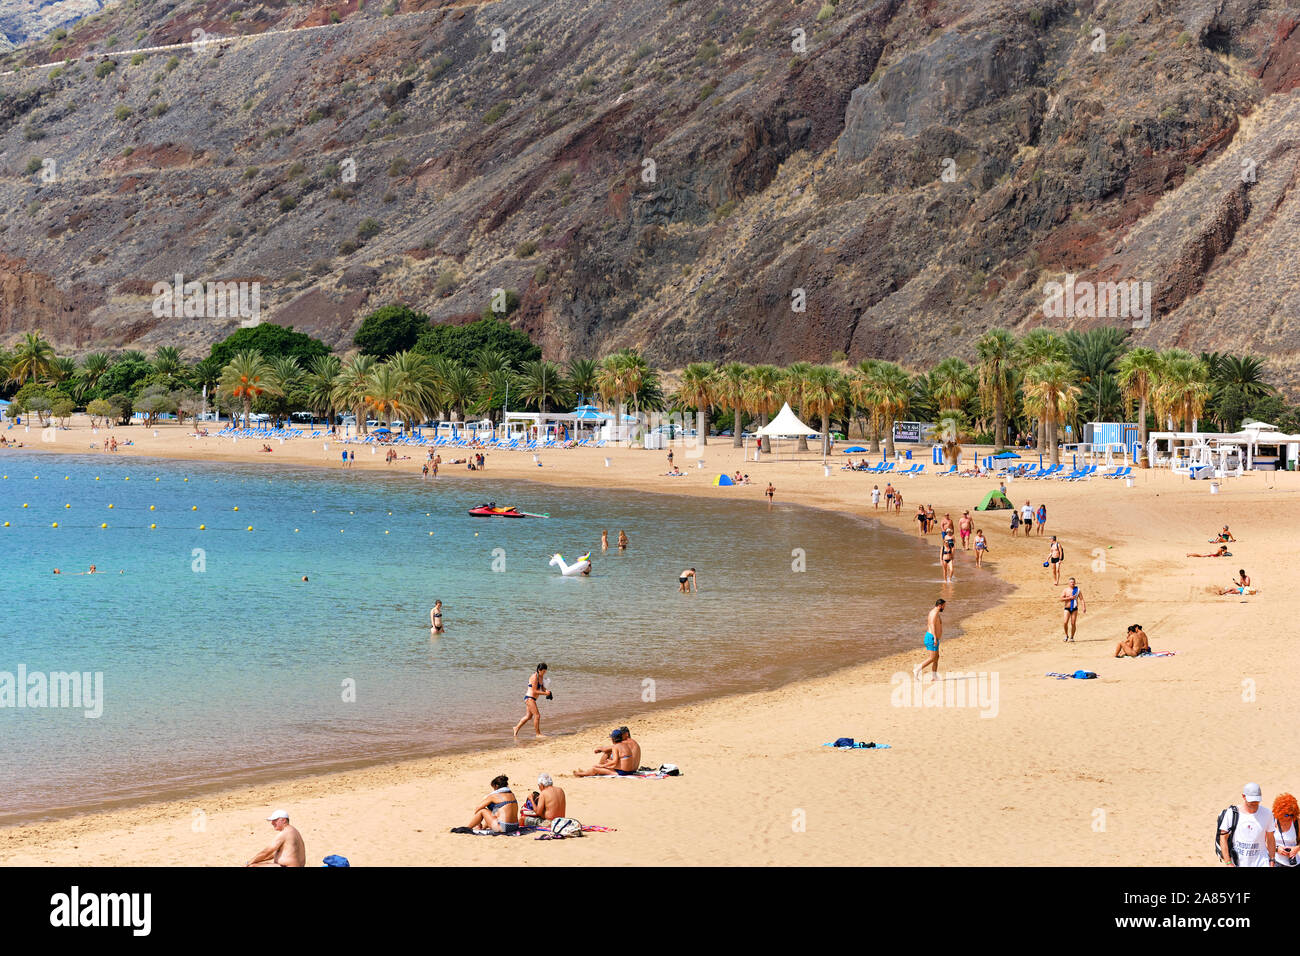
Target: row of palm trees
<point x="412" y="386"/>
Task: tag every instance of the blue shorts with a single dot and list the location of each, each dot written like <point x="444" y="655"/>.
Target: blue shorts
<point x="931" y="642"/>
<point x="625" y="773"/>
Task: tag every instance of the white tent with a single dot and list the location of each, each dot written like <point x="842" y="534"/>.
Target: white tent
<point x="786" y="425"/>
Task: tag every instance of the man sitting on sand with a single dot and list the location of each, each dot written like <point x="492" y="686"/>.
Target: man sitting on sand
<point x="286" y="849"/>
<point x="621" y="758"/>
<point x="1241" y="585"/>
<point x="1223" y="552"/>
<point x="1135" y="644"/>
<point x="547" y="804"/>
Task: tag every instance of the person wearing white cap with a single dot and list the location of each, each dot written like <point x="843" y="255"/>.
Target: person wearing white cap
<point x="1248" y="839"/>
<point x="286" y="849"/>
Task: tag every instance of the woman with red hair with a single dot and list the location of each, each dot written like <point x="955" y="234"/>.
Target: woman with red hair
<point x="1286" y="831"/>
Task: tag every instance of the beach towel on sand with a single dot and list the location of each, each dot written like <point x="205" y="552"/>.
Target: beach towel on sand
<point x="547" y="835"/>
<point x="1080" y="675"/>
<point x="858" y="745"/>
<point x="639" y="775"/>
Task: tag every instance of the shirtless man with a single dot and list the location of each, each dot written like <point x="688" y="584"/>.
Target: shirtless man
<point x="933" y="634"/>
<point x="686" y="579"/>
<point x="1134" y="644"/>
<point x="549" y="804"/>
<point x="945" y="526"/>
<point x="1072" y="601"/>
<point x="621" y="759"/>
<point x="964" y="527"/>
<point x="771" y="490"/>
<point x="1223" y="552"/>
<point x="1240" y="585"/>
<point x="286" y="849"/>
<point x="1055" y="555"/>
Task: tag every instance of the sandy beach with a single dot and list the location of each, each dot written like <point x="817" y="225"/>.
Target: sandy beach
<point x="1128" y="769"/>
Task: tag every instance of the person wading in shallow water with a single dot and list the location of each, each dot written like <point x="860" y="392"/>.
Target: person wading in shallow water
<point x="535" y="689"/>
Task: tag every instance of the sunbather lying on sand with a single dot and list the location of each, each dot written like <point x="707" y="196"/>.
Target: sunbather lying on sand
<point x="1223" y="552"/>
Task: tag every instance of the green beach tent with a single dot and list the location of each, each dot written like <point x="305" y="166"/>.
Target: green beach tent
<point x="995" y="501"/>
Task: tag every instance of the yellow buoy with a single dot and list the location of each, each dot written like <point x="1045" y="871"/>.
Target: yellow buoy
<point x="6" y="523"/>
<point x="151" y="508"/>
<point x="97" y="477"/>
<point x="203" y="527"/>
<point x="55" y="525"/>
<point x="187" y="479"/>
<point x="103" y="526"/>
<point x="24" y="504"/>
<point x="67" y="477"/>
<point x="155" y="479"/>
<point x="110" y="506"/>
<point x="250" y="527"/>
<point x="385" y="532"/>
<point x="194" y="507"/>
<point x="67" y="506"/>
<point x="295" y="530"/>
<point x="36" y="477"/>
<point x="128" y="478"/>
<point x="236" y="507"/>
<point x="153" y="526"/>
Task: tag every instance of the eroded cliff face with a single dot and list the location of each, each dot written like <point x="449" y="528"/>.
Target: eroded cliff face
<point x="666" y="176"/>
<point x="22" y="21"/>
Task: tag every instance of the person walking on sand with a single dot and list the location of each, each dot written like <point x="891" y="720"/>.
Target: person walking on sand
<point x="622" y="540"/>
<point x="435" y="617"/>
<point x="1055" y="555"/>
<point x="1027" y="518"/>
<point x="770" y="492"/>
<point x="964" y="526"/>
<point x="287" y="849"/>
<point x="1249" y="839"/>
<point x="920" y="521"/>
<point x="535" y="689"/>
<point x="1072" y="600"/>
<point x="889" y="495"/>
<point x="1042" y="517"/>
<point x="875" y="497"/>
<point x="945" y="557"/>
<point x="604" y="539"/>
<point x="1015" y="522"/>
<point x="898" y="502"/>
<point x="933" y="635"/>
<point x="981" y="547"/>
<point x="686" y="579"/>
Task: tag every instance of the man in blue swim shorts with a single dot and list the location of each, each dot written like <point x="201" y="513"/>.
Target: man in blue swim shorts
<point x="933" y="634"/>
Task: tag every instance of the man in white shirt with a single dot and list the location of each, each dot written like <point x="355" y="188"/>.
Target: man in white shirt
<point x="1027" y="518"/>
<point x="1251" y="842"/>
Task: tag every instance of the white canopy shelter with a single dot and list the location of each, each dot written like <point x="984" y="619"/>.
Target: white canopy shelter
<point x="787" y="425"/>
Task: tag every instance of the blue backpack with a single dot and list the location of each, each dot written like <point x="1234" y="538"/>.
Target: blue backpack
<point x="335" y="860"/>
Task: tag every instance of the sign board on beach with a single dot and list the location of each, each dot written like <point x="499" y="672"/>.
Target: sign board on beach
<point x="913" y="431"/>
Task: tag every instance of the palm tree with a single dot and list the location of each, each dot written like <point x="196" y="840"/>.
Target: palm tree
<point x="419" y="387"/>
<point x="1052" y="395"/>
<point x="1238" y="383"/>
<point x="246" y="377"/>
<point x="1139" y="371"/>
<point x="763" y="392"/>
<point x="385" y="393"/>
<point x="891" y="390"/>
<point x="582" y="378"/>
<point x="1038" y="346"/>
<point x="93" y="367"/>
<point x="167" y="361"/>
<point x="539" y="381"/>
<point x="460" y="390"/>
<point x="1184" y="387"/>
<point x="287" y="375"/>
<point x="696" y="391"/>
<point x="33" y="359"/>
<point x="824" y="394"/>
<point x="350" y="387"/>
<point x="61" y="369"/>
<point x="794" y="381"/>
<point x="862" y="397"/>
<point x="997" y="377"/>
<point x="322" y="371"/>
<point x="954" y="384"/>
<point x="730" y="387"/>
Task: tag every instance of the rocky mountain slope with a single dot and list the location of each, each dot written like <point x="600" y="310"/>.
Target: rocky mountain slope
<point x="672" y="175"/>
<point x="22" y="21"/>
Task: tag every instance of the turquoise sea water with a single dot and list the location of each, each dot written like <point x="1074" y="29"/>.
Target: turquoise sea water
<point x="222" y="666"/>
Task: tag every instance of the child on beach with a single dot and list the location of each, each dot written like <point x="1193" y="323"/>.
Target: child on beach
<point x="1015" y="522"/>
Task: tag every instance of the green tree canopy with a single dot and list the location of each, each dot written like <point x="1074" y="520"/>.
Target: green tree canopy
<point x="389" y="330"/>
<point x="271" y="341"/>
<point x="462" y="341"/>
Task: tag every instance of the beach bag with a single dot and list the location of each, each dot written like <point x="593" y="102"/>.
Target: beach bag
<point x="844" y="742"/>
<point x="1084" y="675"/>
<point x="1232" y="831"/>
<point x="335" y="860"/>
<point x="565" y="827"/>
<point x="670" y="770"/>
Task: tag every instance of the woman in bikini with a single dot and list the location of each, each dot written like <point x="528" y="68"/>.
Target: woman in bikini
<point x="981" y="546"/>
<point x="435" y="617"/>
<point x="945" y="556"/>
<point x="499" y="811"/>
<point x="535" y="689"/>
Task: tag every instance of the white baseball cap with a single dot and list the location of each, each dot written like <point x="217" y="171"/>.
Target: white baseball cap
<point x="1252" y="793"/>
<point x="284" y="814"/>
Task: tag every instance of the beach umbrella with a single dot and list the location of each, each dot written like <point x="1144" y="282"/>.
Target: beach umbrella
<point x="381" y="431"/>
<point x="1006" y="454"/>
<point x="722" y="480"/>
<point x="855" y="450"/>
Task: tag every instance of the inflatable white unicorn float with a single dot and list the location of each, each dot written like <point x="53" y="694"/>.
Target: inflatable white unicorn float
<point x="581" y="566"/>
